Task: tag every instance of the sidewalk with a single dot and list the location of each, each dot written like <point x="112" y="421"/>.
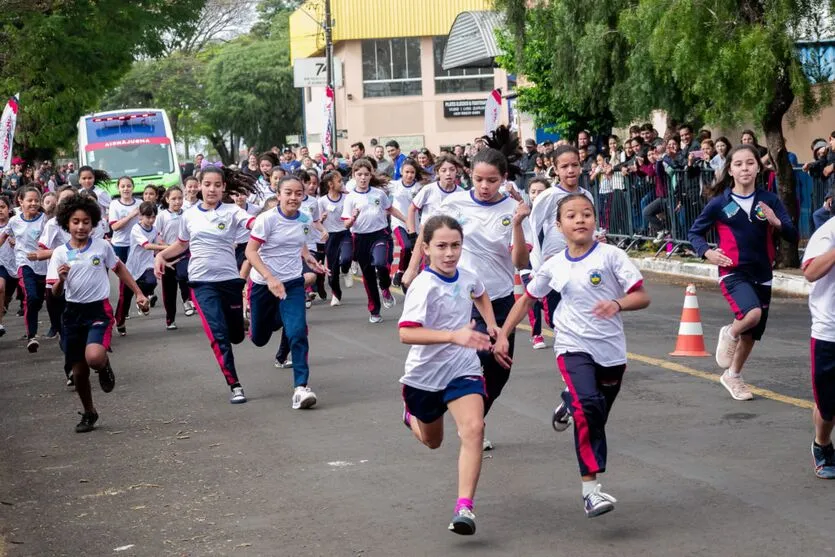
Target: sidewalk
<point x="785" y="282"/>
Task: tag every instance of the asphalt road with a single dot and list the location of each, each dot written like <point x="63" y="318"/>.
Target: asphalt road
<point x="174" y="469"/>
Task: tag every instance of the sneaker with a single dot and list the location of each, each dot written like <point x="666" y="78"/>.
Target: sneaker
<point x="70" y="381"/>
<point x="51" y="334"/>
<point x="107" y="379"/>
<point x="308" y="304"/>
<point x="736" y="386"/>
<point x="538" y="342"/>
<point x="463" y="522"/>
<point x="562" y="419"/>
<point x="660" y="236"/>
<point x="597" y="503"/>
<point x="824" y="458"/>
<point x="398" y="279"/>
<point x="375" y="319"/>
<point x="323" y="294"/>
<point x="20" y="312"/>
<point x="486" y="445"/>
<point x="142" y="311"/>
<point x="303" y="398"/>
<point x="122" y="330"/>
<point x="388" y="300"/>
<point x="87" y="423"/>
<point x="238" y="396"/>
<point x="153" y="300"/>
<point x="355" y="268"/>
<point x="171" y="327"/>
<point x="725" y="347"/>
<point x="286" y="364"/>
<point x="2" y="330"/>
<point x="188" y="308"/>
<point x="348" y="279"/>
<point x="335" y="302"/>
<point x="33" y="345"/>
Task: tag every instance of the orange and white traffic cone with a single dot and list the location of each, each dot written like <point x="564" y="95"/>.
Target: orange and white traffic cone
<point x="518" y="287"/>
<point x="691" y="339"/>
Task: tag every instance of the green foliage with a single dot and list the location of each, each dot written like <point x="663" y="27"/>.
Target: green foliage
<point x="62" y="55"/>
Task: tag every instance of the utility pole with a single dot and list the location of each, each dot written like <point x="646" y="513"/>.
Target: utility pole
<point x="328" y="27"/>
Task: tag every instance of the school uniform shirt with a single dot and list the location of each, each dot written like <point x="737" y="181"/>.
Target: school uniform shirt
<point x="141" y="259"/>
<point x="243" y="233"/>
<point x="101" y="229"/>
<point x="604" y="273"/>
<point x="745" y="236"/>
<point x="87" y="279"/>
<point x="440" y="303"/>
<point x="26" y="234"/>
<point x="117" y="212"/>
<point x="822" y="292"/>
<point x="53" y="235"/>
<point x="401" y="197"/>
<point x="211" y="237"/>
<point x="104" y="199"/>
<point x="168" y="225"/>
<point x="7" y="255"/>
<point x="264" y="192"/>
<point x="281" y="238"/>
<point x="310" y="207"/>
<point x="428" y="200"/>
<point x="488" y="238"/>
<point x="333" y="222"/>
<point x="189" y="204"/>
<point x="373" y="205"/>
<point x="547" y="239"/>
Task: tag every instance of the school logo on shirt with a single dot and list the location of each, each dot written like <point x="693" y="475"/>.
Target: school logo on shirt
<point x="472" y="292"/>
<point x="377" y="202"/>
<point x="96" y="261"/>
<point x="506" y="220"/>
<point x="760" y="213"/>
<point x="221" y="226"/>
<point x="306" y="230"/>
<point x="595" y="277"/>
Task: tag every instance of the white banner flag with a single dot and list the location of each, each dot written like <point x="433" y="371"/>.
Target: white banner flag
<point x="7" y="126"/>
<point x="493" y="111"/>
<point x="327" y="131"/>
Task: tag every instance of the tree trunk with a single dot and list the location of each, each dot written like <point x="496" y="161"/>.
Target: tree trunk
<point x="219" y="143"/>
<point x="773" y="126"/>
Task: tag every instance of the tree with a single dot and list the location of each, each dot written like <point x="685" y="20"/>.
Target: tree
<point x="61" y="56"/>
<point x="218" y="21"/>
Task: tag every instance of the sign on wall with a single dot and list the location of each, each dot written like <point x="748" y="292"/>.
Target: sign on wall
<point x="313" y="72"/>
<point x="465" y="108"/>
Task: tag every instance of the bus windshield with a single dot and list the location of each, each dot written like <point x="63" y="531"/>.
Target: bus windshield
<point x="133" y="160"/>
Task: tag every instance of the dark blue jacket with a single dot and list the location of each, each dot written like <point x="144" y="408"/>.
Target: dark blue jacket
<point x="746" y="239"/>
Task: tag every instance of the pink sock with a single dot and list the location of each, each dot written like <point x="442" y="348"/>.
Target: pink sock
<point x="463" y="502"/>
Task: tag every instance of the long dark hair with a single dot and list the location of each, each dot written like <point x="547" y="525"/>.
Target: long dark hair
<point x="99" y="176"/>
<point x="724" y="180"/>
<point x="377" y="180"/>
<point x="503" y="152"/>
<point x="236" y="182"/>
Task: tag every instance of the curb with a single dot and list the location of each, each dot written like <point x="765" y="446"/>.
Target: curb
<point x="783" y="282"/>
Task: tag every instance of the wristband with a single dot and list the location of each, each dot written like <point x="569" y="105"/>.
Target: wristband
<point x="620" y="307"/>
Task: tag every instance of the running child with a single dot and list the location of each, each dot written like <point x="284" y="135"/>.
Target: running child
<point x="403" y="193"/>
<point x="746" y="219"/>
<point x="123" y="214"/>
<point x="365" y="213"/>
<point x="535" y="187"/>
<point x="208" y="231"/>
<point x="144" y="243"/>
<point x="339" y="246"/>
<point x="91" y="181"/>
<point x="443" y="370"/>
<point x="597" y="282"/>
<point x="276" y="293"/>
<point x="191" y="187"/>
<point x="26" y="229"/>
<point x="818" y="260"/>
<point x="78" y="272"/>
<point x="153" y="194"/>
<point x="427" y="201"/>
<point x="8" y="263"/>
<point x="176" y="272"/>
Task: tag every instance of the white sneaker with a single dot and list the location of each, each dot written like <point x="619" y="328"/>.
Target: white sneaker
<point x="349" y="278"/>
<point x="388" y="300"/>
<point x="171" y="327"/>
<point x="486" y="445"/>
<point x="355" y="268"/>
<point x="308" y="304"/>
<point x="286" y="364"/>
<point x="142" y="311"/>
<point x="726" y="347"/>
<point x="335" y="302"/>
<point x="375" y="319"/>
<point x="597" y="503"/>
<point x="188" y="308"/>
<point x="303" y="398"/>
<point x="238" y="396"/>
<point x="736" y="386"/>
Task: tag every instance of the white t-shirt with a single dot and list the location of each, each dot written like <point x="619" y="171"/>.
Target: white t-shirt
<point x="604" y="273"/>
<point x="168" y="225"/>
<point x="117" y="212"/>
<point x="211" y="236"/>
<point x="243" y="233"/>
<point x="373" y="205"/>
<point x="401" y="197"/>
<point x="746" y="202"/>
<point x="333" y="220"/>
<point x="544" y="220"/>
<point x="488" y="237"/>
<point x="26" y="234"/>
<point x="7" y="256"/>
<point x="141" y="259"/>
<point x="281" y="239"/>
<point x="440" y="303"/>
<point x="53" y="235"/>
<point x="428" y="200"/>
<point x="264" y="192"/>
<point x="103" y="199"/>
<point x="310" y="207"/>
<point x="188" y="204"/>
<point x="822" y="292"/>
<point x="87" y="280"/>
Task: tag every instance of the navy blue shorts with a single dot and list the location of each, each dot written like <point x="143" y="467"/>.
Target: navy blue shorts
<point x="4" y="274"/>
<point x="823" y="377"/>
<point x="428" y="406"/>
<point x="85" y="324"/>
<point x="743" y="295"/>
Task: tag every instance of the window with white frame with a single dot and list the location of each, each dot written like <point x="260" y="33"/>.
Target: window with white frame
<point x="391" y="67"/>
<point x="458" y="80"/>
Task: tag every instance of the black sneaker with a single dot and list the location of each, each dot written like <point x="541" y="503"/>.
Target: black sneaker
<point x="153" y="300"/>
<point x="33" y="345"/>
<point x="51" y="334"/>
<point x="87" y="423"/>
<point x="70" y="381"/>
<point x="20" y="312"/>
<point x="398" y="279"/>
<point x="121" y="330"/>
<point x="107" y="379"/>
